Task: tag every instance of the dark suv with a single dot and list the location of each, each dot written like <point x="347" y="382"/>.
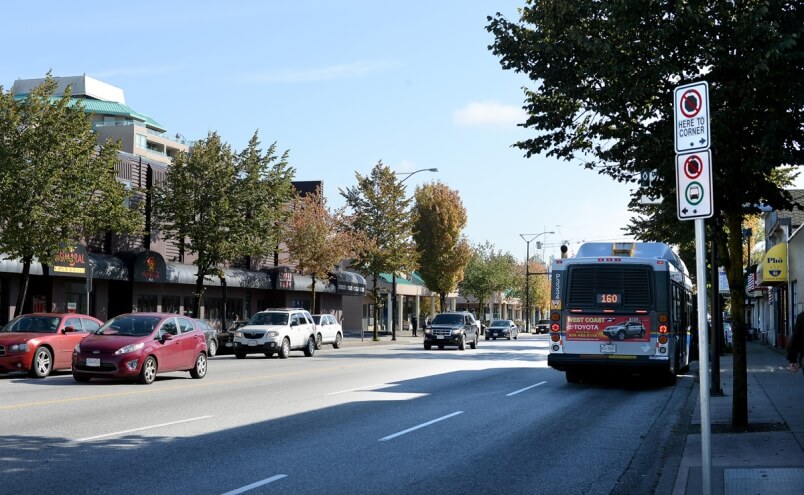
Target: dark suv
<point x="452" y="329"/>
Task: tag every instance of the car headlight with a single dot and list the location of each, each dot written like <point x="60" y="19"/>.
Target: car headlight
<point x="238" y="334"/>
<point x="77" y="349"/>
<point x="129" y="348"/>
<point x="427" y="330"/>
<point x="18" y="348"/>
<point x="456" y="331"/>
<point x="272" y="333"/>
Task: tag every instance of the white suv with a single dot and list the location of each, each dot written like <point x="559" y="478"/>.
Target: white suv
<point x="278" y="330"/>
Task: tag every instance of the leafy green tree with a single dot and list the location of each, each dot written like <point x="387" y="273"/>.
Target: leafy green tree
<point x="57" y="187"/>
<point x="537" y="288"/>
<point x="381" y="217"/>
<point x="196" y="205"/>
<point x="604" y="75"/>
<point x="439" y="219"/>
<point x="487" y="272"/>
<point x="318" y="239"/>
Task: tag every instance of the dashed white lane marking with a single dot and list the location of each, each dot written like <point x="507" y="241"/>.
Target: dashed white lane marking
<point x="256" y="484"/>
<point x="442" y="418"/>
<point x="526" y="388"/>
<point x="87" y="439"/>
<point x="370" y="387"/>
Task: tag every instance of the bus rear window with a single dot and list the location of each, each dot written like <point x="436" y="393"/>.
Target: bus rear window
<point x="621" y="286"/>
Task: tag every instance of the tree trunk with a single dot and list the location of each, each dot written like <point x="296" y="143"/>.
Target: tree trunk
<point x="198" y="294"/>
<point x="443" y="300"/>
<point x="25" y="277"/>
<point x="375" y="291"/>
<point x="739" y="404"/>
<point x="312" y="289"/>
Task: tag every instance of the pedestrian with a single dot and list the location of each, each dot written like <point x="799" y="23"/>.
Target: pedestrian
<point x="413" y="323"/>
<point x="795" y="350"/>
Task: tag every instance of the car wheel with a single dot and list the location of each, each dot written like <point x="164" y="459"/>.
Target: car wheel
<point x="240" y="355"/>
<point x="462" y="343"/>
<point x="573" y="377"/>
<point x="473" y="344"/>
<point x="42" y="363"/>
<point x="620" y="335"/>
<point x="200" y="369"/>
<point x="212" y="348"/>
<point x="509" y="336"/>
<point x="148" y="371"/>
<point x="516" y="336"/>
<point x="441" y="346"/>
<point x="338" y="341"/>
<point x="80" y="378"/>
<point x="310" y="349"/>
<point x="318" y="340"/>
<point x="427" y="347"/>
<point x="284" y="349"/>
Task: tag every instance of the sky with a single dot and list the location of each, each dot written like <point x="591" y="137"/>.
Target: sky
<point x="340" y="86"/>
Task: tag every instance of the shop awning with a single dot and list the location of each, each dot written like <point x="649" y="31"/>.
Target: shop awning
<point x="179" y="273"/>
<point x="773" y="268"/>
<point x="349" y="283"/>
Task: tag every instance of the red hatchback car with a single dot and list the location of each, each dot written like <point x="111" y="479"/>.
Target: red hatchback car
<point x="40" y="343"/>
<point x="140" y="345"/>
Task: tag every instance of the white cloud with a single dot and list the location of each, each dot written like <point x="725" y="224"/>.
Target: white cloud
<point x="488" y="113"/>
<point x="332" y="72"/>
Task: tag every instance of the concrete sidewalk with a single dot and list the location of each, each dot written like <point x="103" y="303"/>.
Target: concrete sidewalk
<point x="768" y="458"/>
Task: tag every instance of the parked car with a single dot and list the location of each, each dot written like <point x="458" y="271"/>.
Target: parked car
<point x="625" y="330"/>
<point x="211" y="336"/>
<point x="504" y="329"/>
<point x="542" y="326"/>
<point x="140" y="345"/>
<point x="276" y="331"/>
<point x="327" y="331"/>
<point x="226" y="337"/>
<point x="41" y="343"/>
<point x="452" y="329"/>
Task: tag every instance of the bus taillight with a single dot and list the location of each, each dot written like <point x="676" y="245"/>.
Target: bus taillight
<point x="555" y="327"/>
<point x="662" y="328"/>
<point x="555" y="337"/>
<point x="662" y="339"/>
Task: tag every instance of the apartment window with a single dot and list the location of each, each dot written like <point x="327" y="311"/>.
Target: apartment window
<point x="141" y="141"/>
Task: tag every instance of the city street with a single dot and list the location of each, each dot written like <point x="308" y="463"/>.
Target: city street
<point x="361" y="419"/>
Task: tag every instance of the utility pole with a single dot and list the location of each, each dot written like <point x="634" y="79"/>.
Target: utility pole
<point x="527" y="238"/>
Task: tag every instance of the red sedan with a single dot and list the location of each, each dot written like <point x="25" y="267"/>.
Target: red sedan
<point x="40" y="343"/>
<point x="139" y="345"/>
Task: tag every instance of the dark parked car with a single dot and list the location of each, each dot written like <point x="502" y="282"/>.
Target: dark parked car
<point x="40" y="343"/>
<point x="140" y="345"/>
<point x="542" y="326"/>
<point x="452" y="329"/>
<point x="211" y="336"/>
<point x="504" y="329"/>
<point x="226" y="337"/>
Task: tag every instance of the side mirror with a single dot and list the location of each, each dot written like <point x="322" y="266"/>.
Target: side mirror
<point x="166" y="337"/>
<point x="68" y="329"/>
<point x="294" y="323"/>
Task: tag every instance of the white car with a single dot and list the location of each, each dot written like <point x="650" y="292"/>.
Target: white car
<point x="328" y="331"/>
<point x="276" y="331"/>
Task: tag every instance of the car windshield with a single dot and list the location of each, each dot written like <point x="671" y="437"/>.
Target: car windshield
<point x="447" y="320"/>
<point x="35" y="324"/>
<point x="269" y="319"/>
<point x="317" y="319"/>
<point x="131" y="325"/>
<point x="499" y="323"/>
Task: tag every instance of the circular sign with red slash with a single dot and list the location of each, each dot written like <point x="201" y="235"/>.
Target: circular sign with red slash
<point x="691" y="103"/>
<point x="693" y="167"/>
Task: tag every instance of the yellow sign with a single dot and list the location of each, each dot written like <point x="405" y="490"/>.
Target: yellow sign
<point x="774" y="264"/>
<point x="69" y="269"/>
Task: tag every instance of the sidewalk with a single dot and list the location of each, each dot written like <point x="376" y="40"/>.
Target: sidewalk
<point x="766" y="459"/>
<point x="355" y="337"/>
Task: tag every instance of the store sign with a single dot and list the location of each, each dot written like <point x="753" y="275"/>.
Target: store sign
<point x="70" y="261"/>
<point x="150" y="267"/>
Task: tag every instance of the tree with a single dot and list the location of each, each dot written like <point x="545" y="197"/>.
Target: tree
<point x="538" y="287"/>
<point x="380" y="216"/>
<point x="57" y="187"/>
<point x="196" y="205"/>
<point x="439" y="219"/>
<point x="487" y="271"/>
<point x="317" y="238"/>
<point x="605" y="74"/>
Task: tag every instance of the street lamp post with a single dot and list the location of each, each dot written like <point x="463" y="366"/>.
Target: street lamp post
<point x="527" y="238"/>
<point x="392" y="321"/>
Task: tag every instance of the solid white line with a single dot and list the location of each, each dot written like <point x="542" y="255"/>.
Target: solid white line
<point x="442" y="418"/>
<point x="370" y="387"/>
<point x="256" y="484"/>
<point x="87" y="439"/>
<point x="526" y="388"/>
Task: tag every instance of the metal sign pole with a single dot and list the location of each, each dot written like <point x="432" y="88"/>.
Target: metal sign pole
<point x="703" y="356"/>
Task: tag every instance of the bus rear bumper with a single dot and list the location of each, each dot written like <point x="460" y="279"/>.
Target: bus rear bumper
<point x="580" y="362"/>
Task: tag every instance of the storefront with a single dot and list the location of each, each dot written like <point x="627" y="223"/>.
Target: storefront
<point x="772" y="274"/>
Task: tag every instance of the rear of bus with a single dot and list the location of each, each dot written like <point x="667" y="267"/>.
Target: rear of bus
<point x="609" y="313"/>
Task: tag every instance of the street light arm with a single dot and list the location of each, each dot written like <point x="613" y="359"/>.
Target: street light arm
<point x="415" y="172"/>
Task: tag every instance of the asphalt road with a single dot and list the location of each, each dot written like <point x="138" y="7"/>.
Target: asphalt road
<point x="360" y="419"/>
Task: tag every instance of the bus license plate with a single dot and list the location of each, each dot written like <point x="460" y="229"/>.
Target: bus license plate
<point x="608" y="348"/>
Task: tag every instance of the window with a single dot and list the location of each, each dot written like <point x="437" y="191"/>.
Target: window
<point x="188" y="306"/>
<point x="186" y="325"/>
<point x="146" y="303"/>
<point x="170" y="304"/>
<point x="169" y="326"/>
<point x="140" y="141"/>
<point x="90" y="325"/>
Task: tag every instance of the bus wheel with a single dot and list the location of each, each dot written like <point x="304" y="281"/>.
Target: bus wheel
<point x="669" y="378"/>
<point x="573" y="376"/>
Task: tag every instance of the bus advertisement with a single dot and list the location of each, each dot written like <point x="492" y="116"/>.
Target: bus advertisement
<point x="621" y="307"/>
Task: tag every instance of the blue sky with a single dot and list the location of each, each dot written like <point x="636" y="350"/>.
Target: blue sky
<point x="341" y="85"/>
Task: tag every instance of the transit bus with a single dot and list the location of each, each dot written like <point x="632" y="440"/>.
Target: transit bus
<point x="621" y="307"/>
